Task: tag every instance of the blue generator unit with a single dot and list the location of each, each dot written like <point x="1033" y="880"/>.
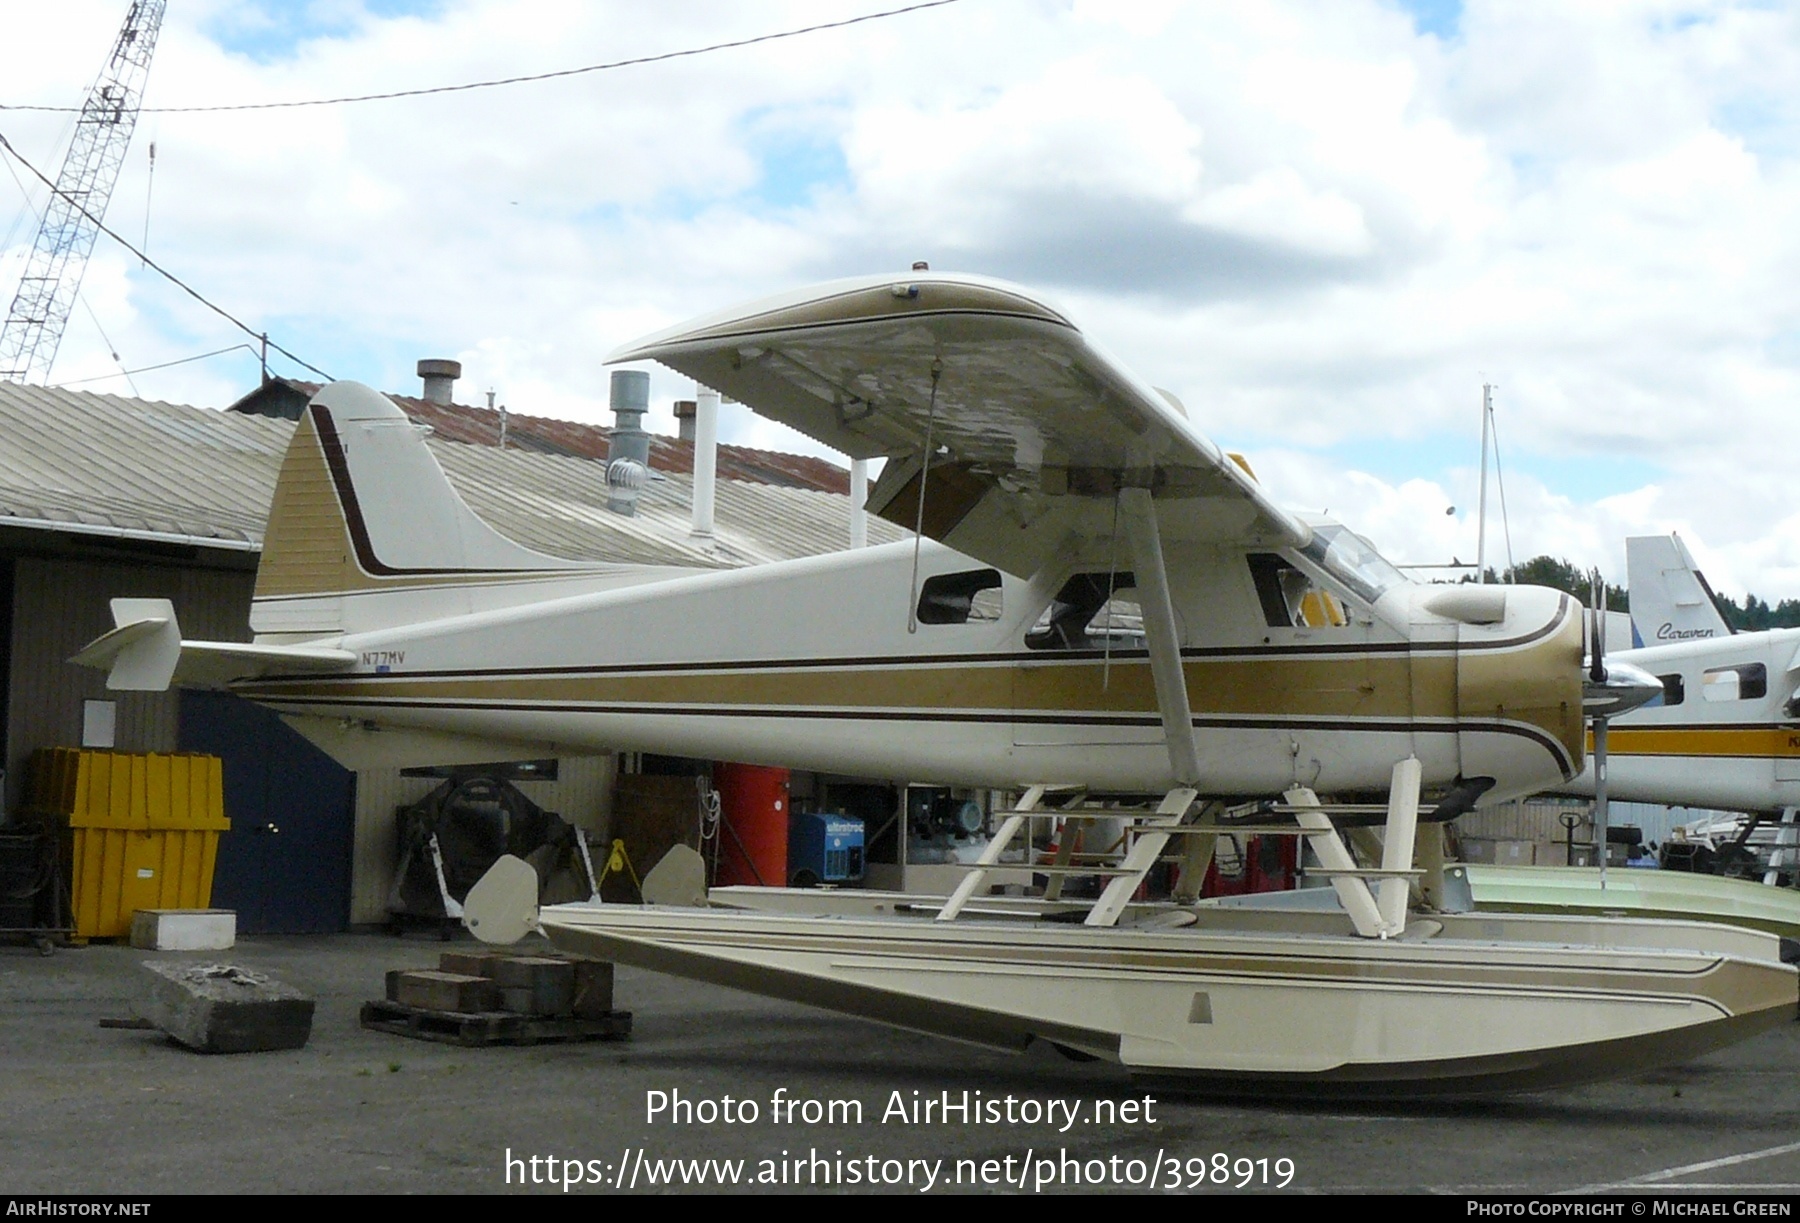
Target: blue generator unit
<point x="824" y="847"/>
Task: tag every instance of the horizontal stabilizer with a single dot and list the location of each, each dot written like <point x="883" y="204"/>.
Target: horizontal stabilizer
<point x="142" y="651"/>
<point x="145" y="653"/>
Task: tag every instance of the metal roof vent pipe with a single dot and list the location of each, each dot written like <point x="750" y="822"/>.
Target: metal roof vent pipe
<point x="706" y="459"/>
<point x="624" y="481"/>
<point x="628" y="445"/>
<point x="439" y="375"/>
<point x="859" y="496"/>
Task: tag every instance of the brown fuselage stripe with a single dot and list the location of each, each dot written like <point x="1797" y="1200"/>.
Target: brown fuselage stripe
<point x="1037" y="658"/>
<point x="1465" y="726"/>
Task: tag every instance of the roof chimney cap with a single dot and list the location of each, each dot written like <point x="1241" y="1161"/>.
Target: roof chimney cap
<point x="630" y="391"/>
<point x="440" y="375"/>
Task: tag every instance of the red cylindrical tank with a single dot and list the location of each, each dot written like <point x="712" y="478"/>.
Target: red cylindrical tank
<point x="753" y="801"/>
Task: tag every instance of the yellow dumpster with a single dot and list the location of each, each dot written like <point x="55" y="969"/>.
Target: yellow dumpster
<point x="144" y="830"/>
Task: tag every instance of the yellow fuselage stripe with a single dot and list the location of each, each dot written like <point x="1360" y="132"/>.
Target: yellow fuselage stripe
<point x="1726" y="742"/>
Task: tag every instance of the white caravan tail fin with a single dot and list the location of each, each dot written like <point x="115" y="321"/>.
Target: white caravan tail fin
<point x="1670" y="599"/>
<point x="361" y="506"/>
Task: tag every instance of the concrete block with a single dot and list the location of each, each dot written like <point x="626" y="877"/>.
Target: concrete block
<point x="431" y="990"/>
<point x="469" y="963"/>
<point x="183" y="929"/>
<point x="593" y="989"/>
<point x="220" y="1008"/>
<point x="535" y="985"/>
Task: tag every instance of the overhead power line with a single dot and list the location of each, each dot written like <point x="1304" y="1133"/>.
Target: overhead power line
<point x="30" y="210"/>
<point x="523" y="80"/>
<point x="153" y="265"/>
<point x="144" y="369"/>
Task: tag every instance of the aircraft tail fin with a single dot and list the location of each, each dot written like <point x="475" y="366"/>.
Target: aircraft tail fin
<point x="361" y="505"/>
<point x="1670" y="597"/>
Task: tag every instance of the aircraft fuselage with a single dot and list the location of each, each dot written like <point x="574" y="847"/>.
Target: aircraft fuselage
<point x="811" y="664"/>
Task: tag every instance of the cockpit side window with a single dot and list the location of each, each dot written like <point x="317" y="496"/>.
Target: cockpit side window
<point x="1291" y="599"/>
<point x="1352" y="560"/>
<point x="1089" y="613"/>
<point x="1674" y="690"/>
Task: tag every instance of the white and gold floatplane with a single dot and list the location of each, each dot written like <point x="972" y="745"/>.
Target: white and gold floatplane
<point x="1268" y="652"/>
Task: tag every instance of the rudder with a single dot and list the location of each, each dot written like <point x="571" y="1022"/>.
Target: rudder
<point x="362" y="506"/>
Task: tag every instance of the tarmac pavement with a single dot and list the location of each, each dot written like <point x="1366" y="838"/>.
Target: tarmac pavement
<point x="104" y="1110"/>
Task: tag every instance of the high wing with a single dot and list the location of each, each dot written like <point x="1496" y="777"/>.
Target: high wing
<point x="1033" y="431"/>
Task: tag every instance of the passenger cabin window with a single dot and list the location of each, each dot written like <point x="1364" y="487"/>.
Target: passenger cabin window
<point x="1674" y="691"/>
<point x="1744" y="682"/>
<point x="1291" y="599"/>
<point x="1089" y="613"/>
<point x="958" y="598"/>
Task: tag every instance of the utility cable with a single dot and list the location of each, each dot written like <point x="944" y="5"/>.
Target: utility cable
<point x="63" y="138"/>
<point x="521" y="80"/>
<point x="31" y="209"/>
<point x="144" y="369"/>
<point x="156" y="267"/>
<point x="110" y="346"/>
<point x="149" y="186"/>
<point x="27" y="208"/>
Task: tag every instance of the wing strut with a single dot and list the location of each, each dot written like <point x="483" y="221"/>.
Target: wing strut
<point x="1139" y="511"/>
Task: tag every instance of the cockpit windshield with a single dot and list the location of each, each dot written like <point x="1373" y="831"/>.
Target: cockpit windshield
<point x="1353" y="560"/>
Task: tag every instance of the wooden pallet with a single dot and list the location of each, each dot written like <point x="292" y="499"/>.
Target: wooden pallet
<point x="491" y="1027"/>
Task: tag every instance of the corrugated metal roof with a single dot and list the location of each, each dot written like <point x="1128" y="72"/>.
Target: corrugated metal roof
<point x="557" y="504"/>
<point x="79" y="461"/>
<point x="105" y="462"/>
<point x="481" y="426"/>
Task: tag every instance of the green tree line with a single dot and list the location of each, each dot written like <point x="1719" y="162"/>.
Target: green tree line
<point x="1755" y="614"/>
<point x="1752" y="615"/>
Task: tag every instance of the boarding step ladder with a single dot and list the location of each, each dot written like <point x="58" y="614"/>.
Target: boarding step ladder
<point x="1150" y="836"/>
<point x="1375" y="899"/>
<point x="1785" y="854"/>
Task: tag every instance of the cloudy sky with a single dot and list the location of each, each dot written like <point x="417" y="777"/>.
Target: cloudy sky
<point x="1323" y="225"/>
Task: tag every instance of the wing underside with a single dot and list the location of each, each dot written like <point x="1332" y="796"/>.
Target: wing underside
<point x="1023" y="431"/>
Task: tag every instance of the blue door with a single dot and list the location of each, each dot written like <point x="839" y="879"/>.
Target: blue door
<point x="285" y="864"/>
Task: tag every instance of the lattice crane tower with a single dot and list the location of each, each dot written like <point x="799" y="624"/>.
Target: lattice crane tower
<point x="40" y="310"/>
